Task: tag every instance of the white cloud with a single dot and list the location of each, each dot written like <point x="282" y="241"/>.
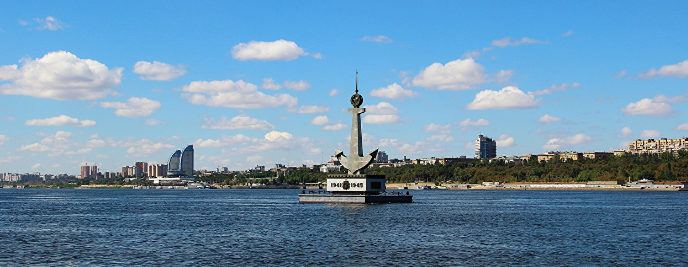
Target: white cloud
<point x="63" y="134"/>
<point x="479" y="122"/>
<point x="254" y="159"/>
<point x="555" y="88"/>
<point x="232" y="94"/>
<point x="394" y="91"/>
<point x="62" y="120"/>
<point x="413" y="149"/>
<point x="269" y="83"/>
<point x="682" y="127"/>
<point x="238" y="122"/>
<point x="35" y="147"/>
<point x="505" y="141"/>
<point x="440" y="138"/>
<point x="455" y="75"/>
<point x="548" y="119"/>
<point x="568" y="33"/>
<point x="8" y="118"/>
<point x="313" y="151"/>
<point x="50" y="23"/>
<point x="404" y="73"/>
<point x="650" y="134"/>
<point x="134" y="107"/>
<point x="559" y="143"/>
<point x="509" y="97"/>
<point x="625" y="132"/>
<point x="277" y="50"/>
<point x="60" y="75"/>
<point x="648" y="107"/>
<point x="274" y="135"/>
<point x="62" y="153"/>
<point x="223" y="141"/>
<point x="335" y="127"/>
<point x="442" y="129"/>
<point x="678" y="70"/>
<point x="320" y="120"/>
<point x="96" y="143"/>
<point x="149" y="148"/>
<point x="379" y="39"/>
<point x="620" y="74"/>
<point x="318" y="56"/>
<point x="59" y="141"/>
<point x="9" y="159"/>
<point x="382" y="108"/>
<point x="152" y="122"/>
<point x="3" y="139"/>
<point x="382" y="119"/>
<point x="382" y="113"/>
<point x="666" y="99"/>
<point x="309" y="109"/>
<point x="36" y="166"/>
<point x="334" y="92"/>
<point x="275" y="141"/>
<point x="158" y="71"/>
<point x="506" y="41"/>
<point x="298" y="86"/>
<point x="503" y="76"/>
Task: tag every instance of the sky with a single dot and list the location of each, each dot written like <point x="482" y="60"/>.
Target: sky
<point x="264" y="82"/>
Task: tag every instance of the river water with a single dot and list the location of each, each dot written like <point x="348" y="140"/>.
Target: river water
<point x="269" y="227"/>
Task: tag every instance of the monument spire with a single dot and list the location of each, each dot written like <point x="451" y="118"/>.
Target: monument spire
<point x="356" y="162"/>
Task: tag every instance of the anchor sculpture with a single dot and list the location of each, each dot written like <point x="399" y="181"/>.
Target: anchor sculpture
<point x="356" y="163"/>
<point x="356" y="186"/>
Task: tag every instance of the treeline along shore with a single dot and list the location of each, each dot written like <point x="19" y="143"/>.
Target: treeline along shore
<point x="665" y="167"/>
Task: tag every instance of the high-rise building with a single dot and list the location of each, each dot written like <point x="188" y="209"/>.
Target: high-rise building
<point x="94" y="172"/>
<point x="381" y="157"/>
<point x="188" y="161"/>
<point x="141" y="167"/>
<point x="85" y="172"/>
<point x="157" y="170"/>
<point x="181" y="164"/>
<point x="485" y="148"/>
<point x="130" y="171"/>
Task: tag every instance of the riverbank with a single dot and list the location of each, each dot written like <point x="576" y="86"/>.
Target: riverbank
<point x="432" y="186"/>
<point x="537" y="186"/>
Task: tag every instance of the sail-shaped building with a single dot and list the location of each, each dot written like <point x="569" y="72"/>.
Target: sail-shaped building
<point x="181" y="164"/>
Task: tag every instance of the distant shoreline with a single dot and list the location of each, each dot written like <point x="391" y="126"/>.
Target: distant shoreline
<point x="532" y="186"/>
<point x="418" y="186"/>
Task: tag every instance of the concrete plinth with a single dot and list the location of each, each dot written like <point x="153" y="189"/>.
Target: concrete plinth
<point x="360" y="199"/>
<point x="355" y="188"/>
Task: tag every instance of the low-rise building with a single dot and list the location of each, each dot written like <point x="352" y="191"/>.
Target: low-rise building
<point x="597" y="155"/>
<point x="514" y="159"/>
<point x="563" y="156"/>
<point x="652" y="146"/>
<point x="445" y="161"/>
<point x="332" y="165"/>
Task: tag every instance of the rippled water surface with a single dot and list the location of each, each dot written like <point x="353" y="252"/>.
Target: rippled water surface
<point x="270" y="227"/>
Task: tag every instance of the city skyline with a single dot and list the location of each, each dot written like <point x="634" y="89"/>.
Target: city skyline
<point x="258" y="84"/>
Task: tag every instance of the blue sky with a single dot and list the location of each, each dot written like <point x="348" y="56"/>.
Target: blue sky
<point x="257" y="83"/>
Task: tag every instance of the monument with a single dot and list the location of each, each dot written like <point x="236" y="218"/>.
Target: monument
<point x="355" y="186"/>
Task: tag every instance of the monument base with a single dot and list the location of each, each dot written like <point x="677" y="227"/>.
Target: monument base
<point x="355" y="188"/>
<point x="354" y="199"/>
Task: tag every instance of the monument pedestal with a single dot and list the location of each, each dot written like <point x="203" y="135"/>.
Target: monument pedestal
<point x="355" y="188"/>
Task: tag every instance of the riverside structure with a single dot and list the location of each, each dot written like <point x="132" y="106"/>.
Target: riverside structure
<point x="355" y="186"/>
